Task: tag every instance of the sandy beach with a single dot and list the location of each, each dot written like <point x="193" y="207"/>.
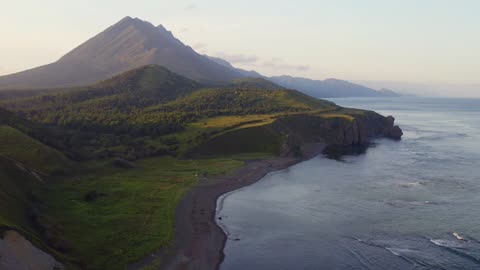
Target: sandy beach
<point x="199" y="241"/>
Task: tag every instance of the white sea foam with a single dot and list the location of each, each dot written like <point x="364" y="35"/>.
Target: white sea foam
<point x="459" y="237"/>
<point x="446" y="243"/>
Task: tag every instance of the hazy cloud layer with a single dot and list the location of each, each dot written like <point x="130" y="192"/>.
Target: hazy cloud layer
<point x="255" y="62"/>
<point x="280" y="64"/>
<point x="199" y="46"/>
<point x="183" y="30"/>
<point x="189" y="7"/>
<point x="238" y="58"/>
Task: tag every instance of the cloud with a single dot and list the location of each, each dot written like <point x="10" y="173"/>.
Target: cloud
<point x="190" y="7"/>
<point x="255" y="62"/>
<point x="183" y="30"/>
<point x="199" y="46"/>
<point x="278" y="63"/>
<point x="238" y="58"/>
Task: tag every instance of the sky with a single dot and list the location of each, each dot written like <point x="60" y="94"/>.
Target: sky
<point x="410" y="45"/>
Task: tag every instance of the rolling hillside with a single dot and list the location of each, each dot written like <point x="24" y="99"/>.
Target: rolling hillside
<point x="128" y="114"/>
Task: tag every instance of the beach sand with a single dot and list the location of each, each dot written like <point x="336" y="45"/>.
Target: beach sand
<point x="198" y="242"/>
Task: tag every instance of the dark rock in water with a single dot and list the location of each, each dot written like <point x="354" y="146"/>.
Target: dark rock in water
<point x="395" y="133"/>
<point x="392" y="131"/>
<point x="390" y="120"/>
<point x="121" y="163"/>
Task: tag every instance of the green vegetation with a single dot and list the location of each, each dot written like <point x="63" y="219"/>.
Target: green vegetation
<point x="14" y="184"/>
<point x="116" y="157"/>
<point x="151" y="111"/>
<point x="255" y="83"/>
<point x="131" y="212"/>
<point x="257" y="139"/>
<point x="19" y="203"/>
<point x="35" y="155"/>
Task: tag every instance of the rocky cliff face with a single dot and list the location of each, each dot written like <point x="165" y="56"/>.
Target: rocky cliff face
<point x="288" y="134"/>
<point x="338" y="130"/>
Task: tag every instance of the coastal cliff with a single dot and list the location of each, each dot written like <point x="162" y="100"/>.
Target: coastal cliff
<point x="338" y="130"/>
<point x="288" y="133"/>
<point x="199" y="241"/>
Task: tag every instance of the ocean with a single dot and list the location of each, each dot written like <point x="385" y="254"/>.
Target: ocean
<point x="409" y="204"/>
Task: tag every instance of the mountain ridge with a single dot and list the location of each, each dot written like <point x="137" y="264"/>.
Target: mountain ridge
<point x="131" y="43"/>
<point x="128" y="44"/>
<point x="329" y="88"/>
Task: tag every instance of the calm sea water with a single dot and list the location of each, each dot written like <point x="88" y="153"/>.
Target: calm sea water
<point x="413" y="204"/>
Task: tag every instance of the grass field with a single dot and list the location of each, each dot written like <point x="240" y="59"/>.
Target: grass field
<point x="133" y="212"/>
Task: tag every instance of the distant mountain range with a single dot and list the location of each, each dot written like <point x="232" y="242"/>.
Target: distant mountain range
<point x="330" y="88"/>
<point x="132" y="43"/>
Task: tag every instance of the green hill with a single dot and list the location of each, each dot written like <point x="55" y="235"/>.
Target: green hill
<point x="242" y="101"/>
<point x="23" y="149"/>
<point x="130" y="114"/>
<point x="123" y="93"/>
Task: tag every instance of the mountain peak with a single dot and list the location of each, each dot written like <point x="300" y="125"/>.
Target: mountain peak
<point x="162" y="28"/>
<point x="128" y="44"/>
<point x="126" y="19"/>
<point x="132" y="22"/>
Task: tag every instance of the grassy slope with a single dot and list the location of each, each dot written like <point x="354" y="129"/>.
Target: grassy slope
<point x="253" y="139"/>
<point x="18" y="183"/>
<point x="134" y="217"/>
<point x="30" y="152"/>
<point x="14" y="186"/>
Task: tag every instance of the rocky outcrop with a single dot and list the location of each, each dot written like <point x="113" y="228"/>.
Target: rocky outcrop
<point x="287" y="134"/>
<point x="359" y="130"/>
<point x="391" y="130"/>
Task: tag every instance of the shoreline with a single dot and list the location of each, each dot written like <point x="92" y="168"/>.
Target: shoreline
<point x="198" y="240"/>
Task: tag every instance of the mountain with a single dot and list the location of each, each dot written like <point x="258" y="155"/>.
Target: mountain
<point x="329" y="88"/>
<point x="128" y="44"/>
<point x="132" y="43"/>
